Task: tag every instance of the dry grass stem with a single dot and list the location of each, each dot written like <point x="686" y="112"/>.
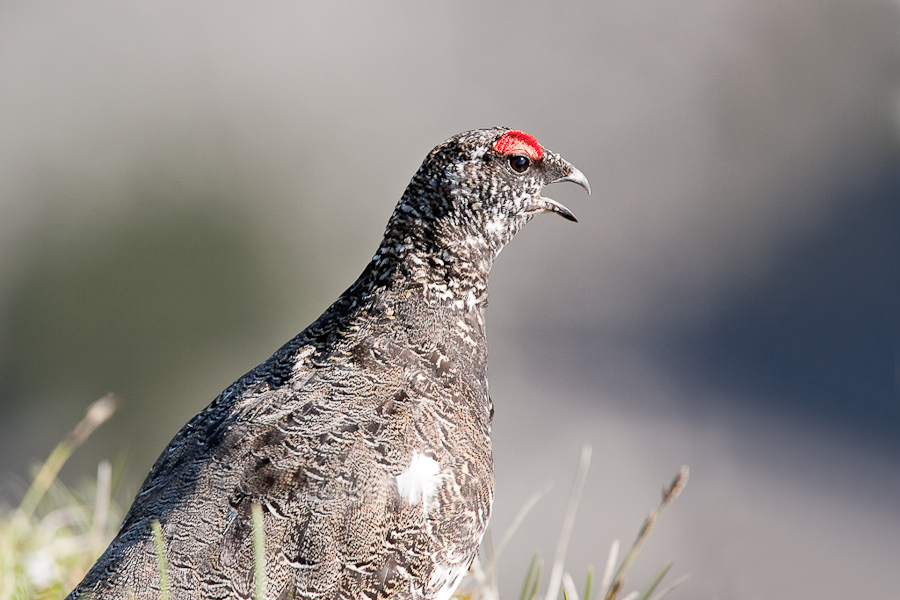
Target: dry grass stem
<point x="565" y="533"/>
<point x="670" y="492"/>
<point x="98" y="413"/>
<point x="259" y="553"/>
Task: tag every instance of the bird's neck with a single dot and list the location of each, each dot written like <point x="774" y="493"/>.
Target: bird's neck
<point x="415" y="300"/>
<point x="413" y="313"/>
<point x="444" y="262"/>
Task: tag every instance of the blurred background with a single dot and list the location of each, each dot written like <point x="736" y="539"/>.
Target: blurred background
<point x="185" y="186"/>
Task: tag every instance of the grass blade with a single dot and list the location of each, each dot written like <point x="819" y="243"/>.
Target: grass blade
<point x="259" y="553"/>
<point x="655" y="583"/>
<point x="589" y="580"/>
<point x="495" y="554"/>
<point x="97" y="413"/>
<point x="565" y="534"/>
<point x="162" y="564"/>
<point x="532" y="579"/>
<point x="669" y="494"/>
<point x="570" y="592"/>
<point x="610" y="569"/>
<point x="665" y="591"/>
<point x="102" y="501"/>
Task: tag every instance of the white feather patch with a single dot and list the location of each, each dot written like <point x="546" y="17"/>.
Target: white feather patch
<point x="419" y="482"/>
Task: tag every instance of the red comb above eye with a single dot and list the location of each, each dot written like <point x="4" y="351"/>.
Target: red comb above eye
<point x="514" y="142"/>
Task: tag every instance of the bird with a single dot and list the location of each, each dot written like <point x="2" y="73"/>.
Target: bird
<point x="365" y="440"/>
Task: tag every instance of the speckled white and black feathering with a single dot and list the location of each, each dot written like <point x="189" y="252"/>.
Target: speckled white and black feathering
<point x="366" y="438"/>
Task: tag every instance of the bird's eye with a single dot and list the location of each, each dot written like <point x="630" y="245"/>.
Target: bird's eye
<point x="519" y="163"/>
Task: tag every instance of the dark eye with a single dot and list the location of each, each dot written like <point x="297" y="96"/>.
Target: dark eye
<point x="519" y="163"/>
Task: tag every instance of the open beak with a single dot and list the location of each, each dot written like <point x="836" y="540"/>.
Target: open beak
<point x="575" y="176"/>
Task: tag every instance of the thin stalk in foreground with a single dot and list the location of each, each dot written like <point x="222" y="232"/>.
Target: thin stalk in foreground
<point x="556" y="572"/>
<point x="665" y="591"/>
<point x="494" y="553"/>
<point x="161" y="563"/>
<point x="609" y="571"/>
<point x="669" y="494"/>
<point x="655" y="583"/>
<point x="259" y="553"/>
<point x="532" y="579"/>
<point x="97" y="414"/>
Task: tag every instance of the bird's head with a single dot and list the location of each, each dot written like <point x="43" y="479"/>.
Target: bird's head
<point x="485" y="184"/>
<point x="471" y="195"/>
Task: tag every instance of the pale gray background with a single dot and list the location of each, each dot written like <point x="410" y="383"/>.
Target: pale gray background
<point x="185" y="185"/>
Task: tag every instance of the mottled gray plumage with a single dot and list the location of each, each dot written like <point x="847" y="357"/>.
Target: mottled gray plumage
<point x="366" y="438"/>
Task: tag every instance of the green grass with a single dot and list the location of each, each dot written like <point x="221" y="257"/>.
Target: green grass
<point x="162" y="565"/>
<point x="51" y="539"/>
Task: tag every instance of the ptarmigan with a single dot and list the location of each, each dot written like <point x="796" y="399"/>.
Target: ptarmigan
<point x="366" y="438"/>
